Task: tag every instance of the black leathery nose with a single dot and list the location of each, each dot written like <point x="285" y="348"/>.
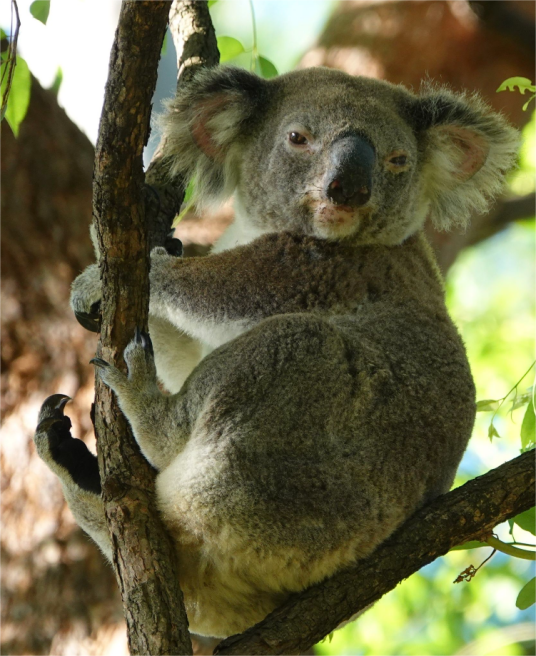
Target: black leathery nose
<point x="349" y="179"/>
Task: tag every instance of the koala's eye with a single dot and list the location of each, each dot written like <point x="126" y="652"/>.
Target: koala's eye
<point x="297" y="138"/>
<point x="399" y="160"/>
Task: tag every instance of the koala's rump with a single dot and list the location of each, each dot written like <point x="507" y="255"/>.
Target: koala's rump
<point x="286" y="476"/>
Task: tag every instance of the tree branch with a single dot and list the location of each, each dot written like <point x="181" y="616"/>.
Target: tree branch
<point x="505" y="212"/>
<point x="144" y="556"/>
<point x="195" y="43"/>
<point x="447" y="245"/>
<point x="467" y="513"/>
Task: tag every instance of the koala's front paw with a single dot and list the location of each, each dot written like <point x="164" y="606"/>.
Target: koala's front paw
<point x="86" y="295"/>
<point x="66" y="456"/>
<point x="141" y="378"/>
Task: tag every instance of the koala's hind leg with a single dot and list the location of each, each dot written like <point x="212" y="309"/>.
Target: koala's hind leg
<point x="75" y="466"/>
<point x="157" y="420"/>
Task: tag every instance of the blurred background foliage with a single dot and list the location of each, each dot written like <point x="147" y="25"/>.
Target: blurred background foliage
<point x="490" y="294"/>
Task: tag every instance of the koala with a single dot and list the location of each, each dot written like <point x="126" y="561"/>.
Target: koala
<point x="317" y="391"/>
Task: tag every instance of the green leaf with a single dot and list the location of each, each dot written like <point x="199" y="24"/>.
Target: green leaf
<point x="527" y="596"/>
<point x="58" y="79"/>
<point x="527" y="520"/>
<point x="492" y="431"/>
<point x="511" y="525"/>
<point x="522" y="399"/>
<point x="528" y="428"/>
<point x="526" y="105"/>
<point x="211" y="2"/>
<point x="19" y="94"/>
<point x="163" y="49"/>
<point x="189" y="192"/>
<point x="472" y="544"/>
<point x="265" y="68"/>
<point x="229" y="48"/>
<point x="522" y="83"/>
<point x="187" y="203"/>
<point x="486" y="405"/>
<point x="3" y="35"/>
<point x="40" y="9"/>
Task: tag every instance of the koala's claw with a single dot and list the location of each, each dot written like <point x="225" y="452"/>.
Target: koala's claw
<point x="88" y="321"/>
<point x="139" y="358"/>
<point x="143" y="339"/>
<point x="99" y="362"/>
<point x="51" y="412"/>
<point x="67" y="456"/>
<point x="86" y="295"/>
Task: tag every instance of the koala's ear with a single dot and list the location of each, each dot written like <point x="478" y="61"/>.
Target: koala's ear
<point x="467" y="149"/>
<point x="206" y="126"/>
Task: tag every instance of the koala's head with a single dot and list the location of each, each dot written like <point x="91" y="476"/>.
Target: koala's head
<point x="332" y="155"/>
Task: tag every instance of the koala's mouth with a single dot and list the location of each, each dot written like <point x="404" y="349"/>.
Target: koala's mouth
<point x="331" y="220"/>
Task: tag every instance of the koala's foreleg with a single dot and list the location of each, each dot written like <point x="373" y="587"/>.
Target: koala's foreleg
<point x="158" y="421"/>
<point x="219" y="297"/>
<point x="75" y="466"/>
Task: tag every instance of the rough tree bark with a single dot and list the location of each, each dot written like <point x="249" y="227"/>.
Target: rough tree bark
<point x="144" y="557"/>
<point x="143" y="554"/>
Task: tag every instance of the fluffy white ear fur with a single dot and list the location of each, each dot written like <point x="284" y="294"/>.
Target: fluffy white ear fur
<point x="204" y="129"/>
<point x="469" y="149"/>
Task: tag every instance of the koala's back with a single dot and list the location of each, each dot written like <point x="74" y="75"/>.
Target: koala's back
<point x="314" y="438"/>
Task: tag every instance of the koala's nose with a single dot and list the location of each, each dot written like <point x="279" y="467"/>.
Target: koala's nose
<point x="349" y="179"/>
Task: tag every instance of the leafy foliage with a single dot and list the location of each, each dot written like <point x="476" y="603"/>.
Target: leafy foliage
<point x="40" y="10"/>
<point x="19" y="93"/>
<point x="526" y="597"/>
<point x="229" y="48"/>
<point x="265" y="68"/>
<point x="523" y="84"/>
<point x="528" y="428"/>
<point x="526" y="521"/>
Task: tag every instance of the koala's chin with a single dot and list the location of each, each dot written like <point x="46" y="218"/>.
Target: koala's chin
<point x="336" y="221"/>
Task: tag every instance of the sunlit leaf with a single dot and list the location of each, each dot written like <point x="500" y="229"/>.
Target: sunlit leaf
<point x="189" y="192"/>
<point x="472" y="544"/>
<point x="486" y="405"/>
<point x="526" y="105"/>
<point x="522" y="399"/>
<point x="229" y="48"/>
<point x="211" y="3"/>
<point x="527" y="520"/>
<point x="528" y="428"/>
<point x="19" y="94"/>
<point x="265" y="68"/>
<point x="163" y="49"/>
<point x="187" y="203"/>
<point x="58" y="79"/>
<point x="40" y="9"/>
<point x="492" y="431"/>
<point x="522" y="83"/>
<point x="527" y="596"/>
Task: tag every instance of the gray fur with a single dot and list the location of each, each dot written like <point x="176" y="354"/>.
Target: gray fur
<point x="335" y="397"/>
